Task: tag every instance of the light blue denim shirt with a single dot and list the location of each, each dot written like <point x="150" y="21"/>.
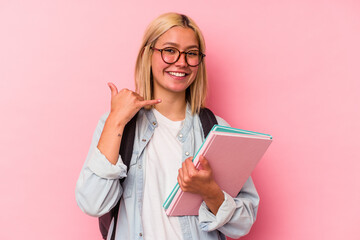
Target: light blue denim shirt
<point x="98" y="188"/>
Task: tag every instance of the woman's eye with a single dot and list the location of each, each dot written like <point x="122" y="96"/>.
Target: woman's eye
<point x="169" y="50"/>
<point x="193" y="53"/>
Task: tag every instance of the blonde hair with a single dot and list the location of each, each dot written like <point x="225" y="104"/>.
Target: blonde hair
<point x="196" y="92"/>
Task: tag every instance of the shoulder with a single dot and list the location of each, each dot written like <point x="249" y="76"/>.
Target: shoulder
<point x="100" y="124"/>
<point x="103" y="118"/>
<point x="221" y="121"/>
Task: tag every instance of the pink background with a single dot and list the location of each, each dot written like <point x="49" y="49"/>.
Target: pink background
<point x="288" y="68"/>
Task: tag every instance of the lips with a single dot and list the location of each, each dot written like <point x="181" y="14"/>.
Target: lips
<point x="177" y="74"/>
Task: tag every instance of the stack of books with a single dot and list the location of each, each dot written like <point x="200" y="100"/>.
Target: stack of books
<point x="232" y="154"/>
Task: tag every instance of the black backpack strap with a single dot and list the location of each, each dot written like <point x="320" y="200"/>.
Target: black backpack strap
<point x="208" y="120"/>
<point x="126" y="149"/>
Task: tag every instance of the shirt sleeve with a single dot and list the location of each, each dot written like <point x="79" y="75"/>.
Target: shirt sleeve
<point x="98" y="187"/>
<point x="235" y="216"/>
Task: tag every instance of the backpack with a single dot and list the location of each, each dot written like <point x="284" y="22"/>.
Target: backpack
<point x="207" y="119"/>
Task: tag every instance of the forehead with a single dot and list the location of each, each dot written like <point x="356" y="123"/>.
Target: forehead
<point x="180" y="37"/>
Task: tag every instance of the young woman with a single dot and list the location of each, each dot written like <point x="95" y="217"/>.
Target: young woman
<point x="171" y="83"/>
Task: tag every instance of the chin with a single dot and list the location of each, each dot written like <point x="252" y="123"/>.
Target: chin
<point x="178" y="89"/>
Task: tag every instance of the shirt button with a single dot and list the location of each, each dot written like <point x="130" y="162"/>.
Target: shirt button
<point x="140" y="166"/>
<point x="144" y="140"/>
<point x="154" y="123"/>
<point x="180" y="135"/>
<point x="187" y="153"/>
<point x="140" y="234"/>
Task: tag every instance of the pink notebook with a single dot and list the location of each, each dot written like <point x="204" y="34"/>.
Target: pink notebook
<point x="232" y="157"/>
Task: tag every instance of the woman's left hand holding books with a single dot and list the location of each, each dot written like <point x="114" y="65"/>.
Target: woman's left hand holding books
<point x="201" y="181"/>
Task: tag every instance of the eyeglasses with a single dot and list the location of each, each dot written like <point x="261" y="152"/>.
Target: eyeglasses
<point x="171" y="55"/>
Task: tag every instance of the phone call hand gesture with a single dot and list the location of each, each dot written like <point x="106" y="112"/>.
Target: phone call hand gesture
<point x="126" y="103"/>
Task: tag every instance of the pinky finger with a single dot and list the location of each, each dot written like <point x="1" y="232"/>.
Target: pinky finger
<point x="150" y="102"/>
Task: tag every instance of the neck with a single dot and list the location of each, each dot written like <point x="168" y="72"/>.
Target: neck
<point x="172" y="106"/>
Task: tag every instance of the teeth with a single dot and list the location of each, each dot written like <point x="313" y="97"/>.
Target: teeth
<point x="177" y="74"/>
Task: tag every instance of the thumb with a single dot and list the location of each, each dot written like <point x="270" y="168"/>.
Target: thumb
<point x="204" y="163"/>
<point x="113" y="89"/>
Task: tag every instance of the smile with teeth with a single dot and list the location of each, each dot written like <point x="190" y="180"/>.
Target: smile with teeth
<point x="177" y="74"/>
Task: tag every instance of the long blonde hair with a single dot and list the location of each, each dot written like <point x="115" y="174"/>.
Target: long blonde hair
<point x="196" y="93"/>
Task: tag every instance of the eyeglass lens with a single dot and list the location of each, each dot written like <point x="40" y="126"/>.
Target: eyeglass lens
<point x="171" y="55"/>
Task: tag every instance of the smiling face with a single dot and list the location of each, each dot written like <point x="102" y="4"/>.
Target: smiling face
<point x="176" y="77"/>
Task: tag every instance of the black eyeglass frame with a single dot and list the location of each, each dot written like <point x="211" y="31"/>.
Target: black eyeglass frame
<point x="201" y="55"/>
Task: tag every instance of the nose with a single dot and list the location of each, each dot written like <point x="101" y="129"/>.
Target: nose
<point x="182" y="60"/>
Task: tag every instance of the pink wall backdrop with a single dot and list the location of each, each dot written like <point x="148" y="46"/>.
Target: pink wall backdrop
<point x="288" y="68"/>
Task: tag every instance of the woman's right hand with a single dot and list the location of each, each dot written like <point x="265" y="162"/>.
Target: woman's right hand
<point x="126" y="103"/>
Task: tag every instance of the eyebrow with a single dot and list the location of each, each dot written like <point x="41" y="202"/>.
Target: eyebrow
<point x="177" y="45"/>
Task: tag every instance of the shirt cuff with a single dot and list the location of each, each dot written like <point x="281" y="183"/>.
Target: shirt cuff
<point x="99" y="164"/>
<point x="209" y="222"/>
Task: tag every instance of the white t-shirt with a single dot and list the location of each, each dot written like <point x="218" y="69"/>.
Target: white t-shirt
<point x="162" y="162"/>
